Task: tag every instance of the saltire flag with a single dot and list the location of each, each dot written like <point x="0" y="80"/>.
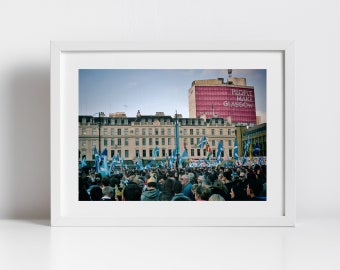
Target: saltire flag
<point x="205" y="161"/>
<point x="235" y="149"/>
<point x="83" y="162"/>
<point x="220" y="148"/>
<point x="184" y="156"/>
<point x="139" y="165"/>
<point x="149" y="165"/>
<point x="122" y="162"/>
<point x="199" y="165"/>
<point x="96" y="158"/>
<point x="155" y="152"/>
<point x="257" y="149"/>
<point x="202" y="142"/>
<point x="104" y="170"/>
<point x="246" y="148"/>
<point x="112" y="165"/>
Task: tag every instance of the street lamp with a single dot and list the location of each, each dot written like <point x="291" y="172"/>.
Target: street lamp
<point x="99" y="123"/>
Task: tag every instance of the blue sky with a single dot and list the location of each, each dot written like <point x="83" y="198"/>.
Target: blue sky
<point x="154" y="90"/>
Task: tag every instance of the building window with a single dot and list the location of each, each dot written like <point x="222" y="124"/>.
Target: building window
<point x="156" y="141"/>
<point x="119" y="142"/>
<point x="169" y="152"/>
<point x="156" y="131"/>
<point x="94" y="131"/>
<point x="137" y="142"/>
<point x="169" y="131"/>
<point x="213" y="142"/>
<point x="185" y="132"/>
<point x="112" y="142"/>
<point x="143" y="131"/>
<point x="150" y="131"/>
<point x="197" y="141"/>
<point x="105" y="142"/>
<point x="126" y="141"/>
<point x="126" y="131"/>
<point x="198" y="152"/>
<point x="150" y="141"/>
<point x="229" y="142"/>
<point x="137" y="152"/>
<point x="112" y="131"/>
<point x="191" y="131"/>
<point x="83" y="131"/>
<point x="120" y="153"/>
<point x="162" y="132"/>
<point x="197" y="131"/>
<point x="143" y="141"/>
<point x="213" y="132"/>
<point x="192" y="141"/>
<point x="137" y="131"/>
<point x="163" y="152"/>
<point x="144" y="153"/>
<point x="214" y="153"/>
<point x="105" y="131"/>
<point x="112" y="153"/>
<point x="150" y="152"/>
<point x="228" y="131"/>
<point x="221" y="131"/>
<point x="119" y="132"/>
<point x="163" y="141"/>
<point x="126" y="153"/>
<point x="230" y="153"/>
<point x="203" y="131"/>
<point x="83" y="143"/>
<point x="192" y="152"/>
<point x="169" y="141"/>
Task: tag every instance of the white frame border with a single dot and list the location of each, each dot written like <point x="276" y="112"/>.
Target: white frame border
<point x="287" y="47"/>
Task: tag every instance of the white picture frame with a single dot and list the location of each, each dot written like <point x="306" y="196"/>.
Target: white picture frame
<point x="67" y="57"/>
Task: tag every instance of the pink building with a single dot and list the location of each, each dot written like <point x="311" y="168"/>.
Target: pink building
<point x="215" y="98"/>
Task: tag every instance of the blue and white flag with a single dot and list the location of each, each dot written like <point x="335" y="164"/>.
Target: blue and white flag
<point x="184" y="157"/>
<point x="83" y="162"/>
<point x="235" y="149"/>
<point x="155" y="152"/>
<point x="104" y="169"/>
<point x="139" y="165"/>
<point x="202" y="142"/>
<point x="257" y="149"/>
<point x="220" y="149"/>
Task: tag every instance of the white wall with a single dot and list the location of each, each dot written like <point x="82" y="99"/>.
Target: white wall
<point x="28" y="26"/>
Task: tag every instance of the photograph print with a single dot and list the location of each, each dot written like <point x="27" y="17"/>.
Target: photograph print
<point x="172" y="135"/>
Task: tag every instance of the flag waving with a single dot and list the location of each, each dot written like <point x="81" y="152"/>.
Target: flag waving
<point x="202" y="142"/>
<point x="96" y="158"/>
<point x="155" y="152"/>
<point x="235" y="149"/>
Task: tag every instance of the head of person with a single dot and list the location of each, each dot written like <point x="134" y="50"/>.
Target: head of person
<point x="238" y="193"/>
<point x="96" y="193"/>
<point x="132" y="192"/>
<point x="202" y="193"/>
<point x="184" y="180"/>
<point x="216" y="197"/>
<point x="254" y="188"/>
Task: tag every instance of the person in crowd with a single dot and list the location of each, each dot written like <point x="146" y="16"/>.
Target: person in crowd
<point x="202" y="193"/>
<point x="186" y="186"/>
<point x="151" y="193"/>
<point x="96" y="193"/>
<point x="131" y="192"/>
<point x="216" y="197"/>
<point x="238" y="193"/>
<point x="254" y="188"/>
<point x="107" y="193"/>
<point x="179" y="195"/>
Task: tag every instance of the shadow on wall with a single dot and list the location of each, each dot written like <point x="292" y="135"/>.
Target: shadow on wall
<point x="29" y="142"/>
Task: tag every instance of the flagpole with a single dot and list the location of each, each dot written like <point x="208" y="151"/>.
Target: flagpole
<point x="177" y="142"/>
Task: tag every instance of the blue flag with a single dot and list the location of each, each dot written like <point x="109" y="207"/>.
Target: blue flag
<point x="83" y="162"/>
<point x="155" y="152"/>
<point x="220" y="148"/>
<point x="202" y="142"/>
<point x="257" y="149"/>
<point x="235" y="149"/>
<point x="104" y="169"/>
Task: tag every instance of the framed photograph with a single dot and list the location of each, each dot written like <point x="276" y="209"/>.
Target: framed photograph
<point x="172" y="134"/>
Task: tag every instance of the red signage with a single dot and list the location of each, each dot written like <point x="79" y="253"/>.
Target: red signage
<point x="223" y="101"/>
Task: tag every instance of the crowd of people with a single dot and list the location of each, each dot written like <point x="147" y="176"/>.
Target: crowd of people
<point x="245" y="183"/>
